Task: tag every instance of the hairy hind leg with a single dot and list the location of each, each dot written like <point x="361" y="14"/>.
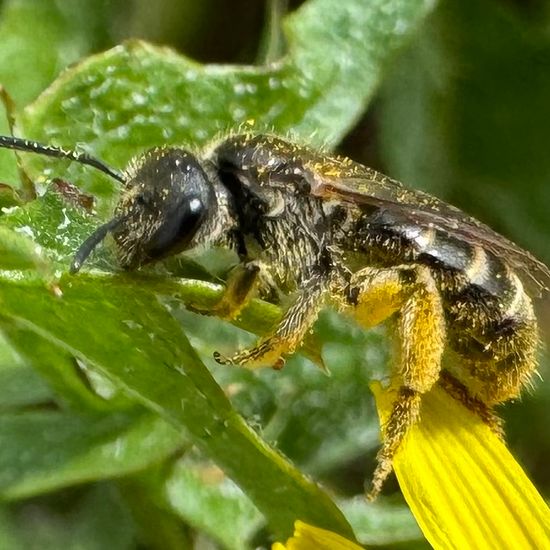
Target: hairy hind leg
<point x="411" y="292"/>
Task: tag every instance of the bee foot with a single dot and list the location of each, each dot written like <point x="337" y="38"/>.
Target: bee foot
<point x="221" y="359"/>
<point x="195" y="308"/>
<point x="265" y="354"/>
<point x="217" y="310"/>
<point x="383" y="469"/>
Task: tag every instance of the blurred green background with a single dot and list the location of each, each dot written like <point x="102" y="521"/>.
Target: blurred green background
<point x="462" y="110"/>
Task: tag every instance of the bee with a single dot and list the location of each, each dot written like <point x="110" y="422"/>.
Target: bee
<point x="326" y="230"/>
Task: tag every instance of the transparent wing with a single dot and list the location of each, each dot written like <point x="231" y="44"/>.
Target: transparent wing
<point x="368" y="187"/>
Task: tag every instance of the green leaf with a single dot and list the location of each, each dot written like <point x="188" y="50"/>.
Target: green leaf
<point x="158" y="528"/>
<point x="60" y="372"/>
<point x="130" y="337"/>
<point x="338" y="52"/>
<point x="21" y="385"/>
<point x="18" y="252"/>
<point x="193" y="489"/>
<point x="9" y="537"/>
<point x="29" y="63"/>
<point x="8" y="195"/>
<point x="93" y="520"/>
<point x="39" y="39"/>
<point x="53" y="223"/>
<point x="382" y="522"/>
<point x="46" y="450"/>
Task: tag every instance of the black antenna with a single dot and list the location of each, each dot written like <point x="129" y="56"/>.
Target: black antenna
<point x="18" y="144"/>
<point x="87" y="247"/>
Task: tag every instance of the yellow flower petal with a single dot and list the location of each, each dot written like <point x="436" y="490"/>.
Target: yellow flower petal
<point x="462" y="484"/>
<point x="307" y="537"/>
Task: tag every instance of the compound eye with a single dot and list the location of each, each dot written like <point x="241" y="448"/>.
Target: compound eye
<point x="178" y="228"/>
<point x="191" y="219"/>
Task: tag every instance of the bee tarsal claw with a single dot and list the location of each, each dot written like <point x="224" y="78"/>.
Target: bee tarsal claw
<point x="221" y="359"/>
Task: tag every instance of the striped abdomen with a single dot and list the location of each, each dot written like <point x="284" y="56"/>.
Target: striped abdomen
<point x="484" y="299"/>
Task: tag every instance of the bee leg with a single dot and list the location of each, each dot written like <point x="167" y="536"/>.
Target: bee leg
<point x="460" y="392"/>
<point x="290" y="332"/>
<point x="241" y="286"/>
<point x="411" y="291"/>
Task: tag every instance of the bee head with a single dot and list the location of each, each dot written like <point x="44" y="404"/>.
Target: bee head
<point x="169" y="204"/>
<point x="168" y="196"/>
